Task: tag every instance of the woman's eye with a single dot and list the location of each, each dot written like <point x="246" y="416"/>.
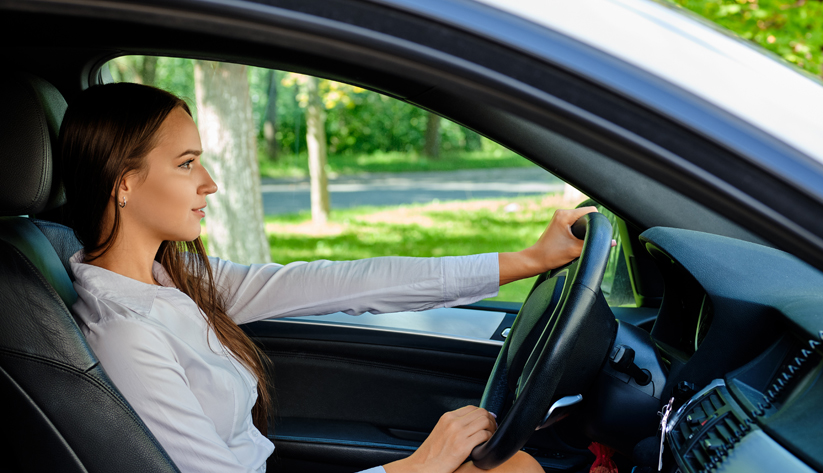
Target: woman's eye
<point x="187" y="164"/>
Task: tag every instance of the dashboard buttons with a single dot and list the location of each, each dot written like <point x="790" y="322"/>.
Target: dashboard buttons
<point x="684" y="391"/>
<point x="695" y="420"/>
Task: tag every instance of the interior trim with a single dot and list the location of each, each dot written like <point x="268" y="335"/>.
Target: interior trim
<point x="325" y="331"/>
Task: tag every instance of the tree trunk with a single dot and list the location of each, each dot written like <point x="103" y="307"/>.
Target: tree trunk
<point x="473" y="142"/>
<point x="432" y="145"/>
<point x="148" y="70"/>
<point x="270" y="118"/>
<point x="316" y="144"/>
<point x="234" y="219"/>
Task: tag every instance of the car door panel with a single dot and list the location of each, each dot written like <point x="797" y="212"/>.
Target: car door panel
<point x="351" y="397"/>
<point x="362" y="396"/>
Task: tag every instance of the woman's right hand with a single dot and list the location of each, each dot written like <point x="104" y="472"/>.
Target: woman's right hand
<point x="450" y="443"/>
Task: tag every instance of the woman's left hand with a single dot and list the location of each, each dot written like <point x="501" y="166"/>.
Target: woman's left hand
<point x="556" y="247"/>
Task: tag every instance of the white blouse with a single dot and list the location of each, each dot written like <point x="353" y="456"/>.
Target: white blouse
<point x="155" y="344"/>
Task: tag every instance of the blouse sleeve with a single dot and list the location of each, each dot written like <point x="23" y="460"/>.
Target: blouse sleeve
<point x="146" y="371"/>
<point x="376" y="285"/>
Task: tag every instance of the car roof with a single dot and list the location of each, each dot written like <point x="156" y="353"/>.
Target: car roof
<point x="697" y="56"/>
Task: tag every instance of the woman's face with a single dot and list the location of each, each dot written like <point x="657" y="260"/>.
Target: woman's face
<point x="167" y="201"/>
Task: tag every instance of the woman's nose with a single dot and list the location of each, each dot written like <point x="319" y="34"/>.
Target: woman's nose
<point x="208" y="186"/>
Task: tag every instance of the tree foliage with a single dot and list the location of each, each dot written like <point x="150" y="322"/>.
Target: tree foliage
<point x="362" y="122"/>
<point x="358" y="121"/>
<point x="792" y="29"/>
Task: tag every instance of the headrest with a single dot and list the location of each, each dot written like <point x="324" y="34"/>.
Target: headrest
<point x="30" y="117"/>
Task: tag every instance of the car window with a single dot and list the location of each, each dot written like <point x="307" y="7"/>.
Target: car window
<point x="617" y="284"/>
<point x="400" y="180"/>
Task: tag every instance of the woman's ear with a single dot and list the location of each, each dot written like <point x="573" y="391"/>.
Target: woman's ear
<point x="127" y="181"/>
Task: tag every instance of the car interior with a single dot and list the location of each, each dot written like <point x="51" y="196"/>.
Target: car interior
<point x="723" y="323"/>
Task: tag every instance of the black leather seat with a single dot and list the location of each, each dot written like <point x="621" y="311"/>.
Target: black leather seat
<point x="60" y="412"/>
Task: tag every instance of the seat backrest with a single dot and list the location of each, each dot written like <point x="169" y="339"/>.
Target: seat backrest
<point x="61" y="411"/>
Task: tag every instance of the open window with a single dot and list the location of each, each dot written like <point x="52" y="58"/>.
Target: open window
<point x="400" y="180"/>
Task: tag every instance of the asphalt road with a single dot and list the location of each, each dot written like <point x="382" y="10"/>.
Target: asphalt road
<point x="282" y="196"/>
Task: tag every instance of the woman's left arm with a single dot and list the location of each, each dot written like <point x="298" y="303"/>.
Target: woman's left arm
<point x="555" y="247"/>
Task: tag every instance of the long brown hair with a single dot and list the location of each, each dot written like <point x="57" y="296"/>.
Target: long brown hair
<point x="106" y="133"/>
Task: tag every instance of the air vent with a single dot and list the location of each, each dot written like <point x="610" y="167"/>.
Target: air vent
<point x="794" y="367"/>
<point x="706" y="430"/>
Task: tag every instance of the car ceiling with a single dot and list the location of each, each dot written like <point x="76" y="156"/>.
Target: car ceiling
<point x="370" y="61"/>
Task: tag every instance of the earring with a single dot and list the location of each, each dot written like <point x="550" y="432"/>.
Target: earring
<point x="122" y="204"/>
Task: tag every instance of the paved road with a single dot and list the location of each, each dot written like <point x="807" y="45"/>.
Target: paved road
<point x="292" y="195"/>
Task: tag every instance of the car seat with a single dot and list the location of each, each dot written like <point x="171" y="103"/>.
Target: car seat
<point x="61" y="411"/>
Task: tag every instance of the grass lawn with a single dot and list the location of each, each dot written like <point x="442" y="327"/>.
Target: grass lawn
<point x="297" y="165"/>
<point x="435" y="229"/>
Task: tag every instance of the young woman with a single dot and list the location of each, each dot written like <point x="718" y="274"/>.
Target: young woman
<point x="163" y="318"/>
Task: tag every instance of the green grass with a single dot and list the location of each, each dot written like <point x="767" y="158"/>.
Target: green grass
<point x="437" y="229"/>
<point x="297" y="165"/>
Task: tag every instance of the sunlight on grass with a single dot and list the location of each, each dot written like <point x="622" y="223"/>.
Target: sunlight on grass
<point x="435" y="229"/>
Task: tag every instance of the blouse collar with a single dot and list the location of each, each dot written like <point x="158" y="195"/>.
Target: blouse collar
<point x="108" y="285"/>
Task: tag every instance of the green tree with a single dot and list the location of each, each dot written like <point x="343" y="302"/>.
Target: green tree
<point x="358" y="122"/>
<point x="139" y="69"/>
<point x="792" y="29"/>
<point x="168" y="73"/>
<point x="315" y="96"/>
<point x="269" y="121"/>
<point x="316" y="144"/>
<point x="176" y="75"/>
<point x="472" y="140"/>
<point x="431" y="147"/>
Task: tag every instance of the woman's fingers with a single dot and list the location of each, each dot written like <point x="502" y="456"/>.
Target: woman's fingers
<point x="450" y="442"/>
<point x="464" y="427"/>
<point x="569" y="216"/>
<point x="557" y="246"/>
<point x="481" y="422"/>
<point x="479" y="418"/>
<point x="478" y="438"/>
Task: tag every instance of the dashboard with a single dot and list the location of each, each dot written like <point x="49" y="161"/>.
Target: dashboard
<point x="740" y="330"/>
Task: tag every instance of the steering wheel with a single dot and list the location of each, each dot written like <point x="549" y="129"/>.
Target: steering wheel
<point x="555" y="348"/>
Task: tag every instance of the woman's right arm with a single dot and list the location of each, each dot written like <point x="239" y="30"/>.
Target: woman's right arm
<point x="450" y="443"/>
